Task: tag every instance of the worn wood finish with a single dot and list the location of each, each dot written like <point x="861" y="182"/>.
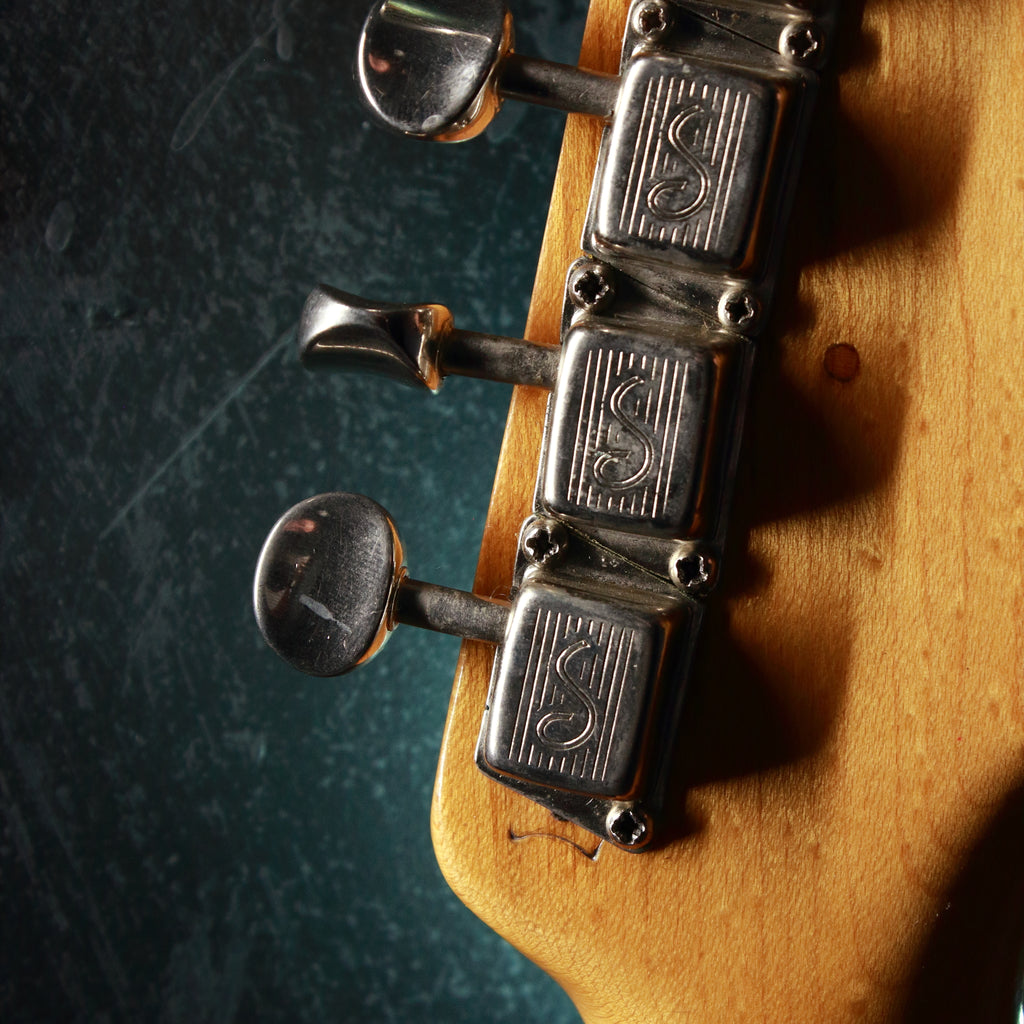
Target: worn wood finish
<point x="846" y="840"/>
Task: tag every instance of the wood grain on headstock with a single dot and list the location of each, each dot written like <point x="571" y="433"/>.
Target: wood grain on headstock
<point x="847" y="834"/>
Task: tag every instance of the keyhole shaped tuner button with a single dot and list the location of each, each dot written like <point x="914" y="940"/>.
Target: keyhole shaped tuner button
<point x="415" y="345"/>
<point x="331" y="585"/>
<point x="439" y="69"/>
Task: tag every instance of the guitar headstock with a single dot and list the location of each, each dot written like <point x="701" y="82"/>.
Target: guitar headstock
<point x="845" y="825"/>
<point x="854" y="727"/>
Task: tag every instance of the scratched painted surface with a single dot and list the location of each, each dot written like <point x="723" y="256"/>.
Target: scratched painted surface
<point x="191" y="831"/>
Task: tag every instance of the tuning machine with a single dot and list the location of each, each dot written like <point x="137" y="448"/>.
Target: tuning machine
<point x="642" y="422"/>
<point x="580" y="670"/>
<point x="704" y="125"/>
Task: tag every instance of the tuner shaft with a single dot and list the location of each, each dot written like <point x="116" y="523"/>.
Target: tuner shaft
<point x="454" y="612"/>
<point x="561" y="86"/>
<point x="491" y="357"/>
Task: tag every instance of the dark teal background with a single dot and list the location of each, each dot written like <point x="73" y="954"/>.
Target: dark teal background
<point x="191" y="831"/>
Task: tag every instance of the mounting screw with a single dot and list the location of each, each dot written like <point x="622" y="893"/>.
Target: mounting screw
<point x="627" y="826"/>
<point x="695" y="572"/>
<point x="545" y="541"/>
<point x="802" y="42"/>
<point x="738" y="308"/>
<point x="591" y="287"/>
<point x="652" y="19"/>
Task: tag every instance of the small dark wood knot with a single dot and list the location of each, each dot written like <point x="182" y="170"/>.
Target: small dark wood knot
<point x="842" y="362"/>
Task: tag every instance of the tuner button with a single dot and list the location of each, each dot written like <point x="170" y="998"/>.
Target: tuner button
<point x="428" y="69"/>
<point x="326" y="581"/>
<point x="439" y="69"/>
<point x="415" y="345"/>
<point x="331" y="585"/>
<point x="402" y="342"/>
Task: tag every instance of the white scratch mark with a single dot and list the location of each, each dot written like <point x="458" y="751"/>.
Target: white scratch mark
<point x="197" y="431"/>
<point x="202" y="106"/>
<point x="322" y="611"/>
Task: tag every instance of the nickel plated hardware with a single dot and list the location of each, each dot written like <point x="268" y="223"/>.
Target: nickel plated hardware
<point x="704" y="129"/>
<point x="639" y="436"/>
<point x="331" y="585"/>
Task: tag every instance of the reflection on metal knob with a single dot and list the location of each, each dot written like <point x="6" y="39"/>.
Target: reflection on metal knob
<point x="331" y="584"/>
<point x="439" y="69"/>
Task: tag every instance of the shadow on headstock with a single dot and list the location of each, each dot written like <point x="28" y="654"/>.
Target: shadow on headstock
<point x="815" y="442"/>
<point x="974" y="958"/>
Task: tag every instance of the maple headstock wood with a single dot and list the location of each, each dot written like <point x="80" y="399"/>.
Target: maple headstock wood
<point x="847" y="814"/>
